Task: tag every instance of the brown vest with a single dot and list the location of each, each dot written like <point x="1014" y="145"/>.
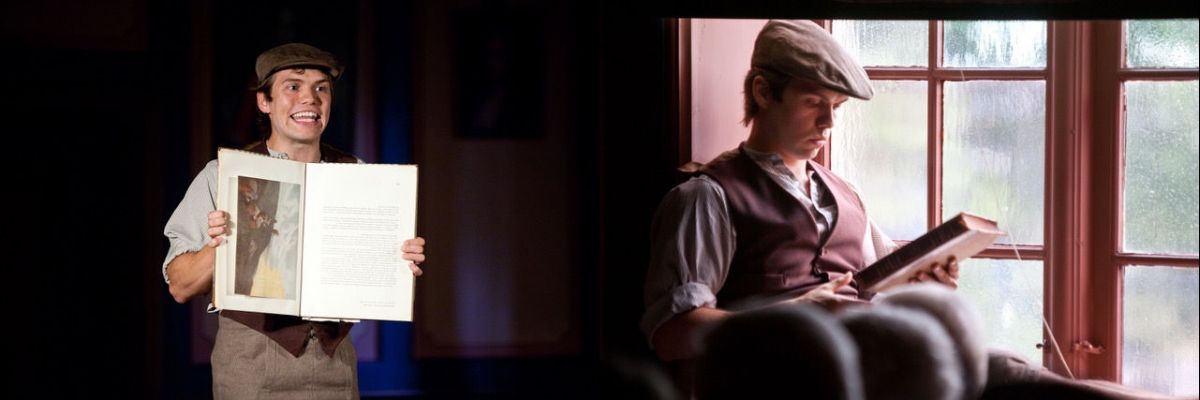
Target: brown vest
<point x="778" y="248"/>
<point x="292" y="332"/>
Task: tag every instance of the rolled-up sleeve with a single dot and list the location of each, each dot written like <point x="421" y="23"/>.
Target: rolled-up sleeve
<point x="692" y="244"/>
<point x="187" y="230"/>
<point x="876" y="243"/>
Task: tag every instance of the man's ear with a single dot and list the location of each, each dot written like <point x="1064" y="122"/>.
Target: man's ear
<point x="263" y="104"/>
<point x="761" y="91"/>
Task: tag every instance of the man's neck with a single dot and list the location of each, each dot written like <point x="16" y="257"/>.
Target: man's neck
<point x="762" y="143"/>
<point x="306" y="152"/>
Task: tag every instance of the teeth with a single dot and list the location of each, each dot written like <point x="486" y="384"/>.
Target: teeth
<point x="305" y="115"/>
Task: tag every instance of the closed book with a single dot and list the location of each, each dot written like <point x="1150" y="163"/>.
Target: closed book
<point x="963" y="236"/>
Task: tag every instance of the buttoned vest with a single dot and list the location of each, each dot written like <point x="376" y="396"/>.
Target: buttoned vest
<point x="778" y="249"/>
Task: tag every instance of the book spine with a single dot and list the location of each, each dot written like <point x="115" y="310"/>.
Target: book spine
<point x="906" y="254"/>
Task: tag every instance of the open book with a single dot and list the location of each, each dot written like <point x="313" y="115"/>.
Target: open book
<point x="315" y="240"/>
<point x="963" y="236"/>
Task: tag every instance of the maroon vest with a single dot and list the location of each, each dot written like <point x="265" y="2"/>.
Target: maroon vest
<point x="292" y="332"/>
<point x="778" y="248"/>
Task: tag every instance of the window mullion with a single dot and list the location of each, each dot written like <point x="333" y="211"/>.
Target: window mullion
<point x="934" y="163"/>
<point x="1068" y="134"/>
<point x="1157" y="259"/>
<point x="1103" y="272"/>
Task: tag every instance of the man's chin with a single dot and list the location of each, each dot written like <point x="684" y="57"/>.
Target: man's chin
<point x="303" y="137"/>
<point x="809" y="154"/>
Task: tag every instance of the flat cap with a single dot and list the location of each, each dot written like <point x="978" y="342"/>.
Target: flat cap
<point x="802" y="49"/>
<point x="294" y="55"/>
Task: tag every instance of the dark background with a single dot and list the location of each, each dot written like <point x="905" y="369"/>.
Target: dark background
<point x="98" y="103"/>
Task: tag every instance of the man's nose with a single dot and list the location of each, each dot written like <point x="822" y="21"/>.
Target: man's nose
<point x="826" y="117"/>
<point x="310" y="97"/>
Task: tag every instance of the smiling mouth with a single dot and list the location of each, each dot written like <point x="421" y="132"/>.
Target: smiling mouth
<point x="306" y="117"/>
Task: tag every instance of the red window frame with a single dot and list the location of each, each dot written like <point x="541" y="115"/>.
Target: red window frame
<point x="1102" y="324"/>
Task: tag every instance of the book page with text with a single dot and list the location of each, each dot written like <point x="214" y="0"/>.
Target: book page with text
<point x="356" y="217"/>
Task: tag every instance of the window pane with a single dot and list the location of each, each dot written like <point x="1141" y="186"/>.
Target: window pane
<point x="999" y="44"/>
<point x="1160" y="350"/>
<point x="1008" y="294"/>
<point x="879" y="145"/>
<point x="1162" y="43"/>
<point x="994" y="154"/>
<point x="1161" y="159"/>
<point x="885" y="43"/>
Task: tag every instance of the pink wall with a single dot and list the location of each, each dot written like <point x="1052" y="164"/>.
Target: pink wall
<point x="720" y="58"/>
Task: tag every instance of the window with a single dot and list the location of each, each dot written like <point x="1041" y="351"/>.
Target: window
<point x="1080" y="138"/>
<point x="978" y="147"/>
<point x="1159" y="226"/>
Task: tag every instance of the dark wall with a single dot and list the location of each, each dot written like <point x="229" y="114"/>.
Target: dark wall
<point x="88" y="96"/>
<point x="240" y="30"/>
<point x="639" y="154"/>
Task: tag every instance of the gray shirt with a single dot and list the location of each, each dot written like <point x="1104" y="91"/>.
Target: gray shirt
<point x="187" y="230"/>
<point x="693" y="240"/>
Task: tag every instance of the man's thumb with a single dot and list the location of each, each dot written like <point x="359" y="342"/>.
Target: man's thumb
<point x="844" y="280"/>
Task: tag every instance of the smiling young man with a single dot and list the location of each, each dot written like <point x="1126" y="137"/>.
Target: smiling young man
<point x="264" y="355"/>
<point x="297" y="101"/>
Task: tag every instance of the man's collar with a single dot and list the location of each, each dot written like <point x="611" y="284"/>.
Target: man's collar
<point x="773" y="161"/>
<point x="284" y="156"/>
<point x="277" y="154"/>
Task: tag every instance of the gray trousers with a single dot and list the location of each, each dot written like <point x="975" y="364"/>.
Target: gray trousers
<point x="248" y="365"/>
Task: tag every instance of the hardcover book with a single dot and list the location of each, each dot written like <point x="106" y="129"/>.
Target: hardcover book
<point x="963" y="236"/>
<point x="315" y="240"/>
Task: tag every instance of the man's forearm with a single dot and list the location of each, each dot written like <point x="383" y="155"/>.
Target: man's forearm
<point x="680" y="337"/>
<point x="191" y="274"/>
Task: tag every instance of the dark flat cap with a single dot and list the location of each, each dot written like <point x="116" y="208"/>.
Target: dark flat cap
<point x="293" y="55"/>
<point x="802" y="49"/>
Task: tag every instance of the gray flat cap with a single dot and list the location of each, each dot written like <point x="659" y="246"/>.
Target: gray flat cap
<point x="802" y="49"/>
<point x="293" y="55"/>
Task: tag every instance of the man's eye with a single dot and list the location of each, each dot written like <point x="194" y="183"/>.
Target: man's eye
<point x="293" y="87"/>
